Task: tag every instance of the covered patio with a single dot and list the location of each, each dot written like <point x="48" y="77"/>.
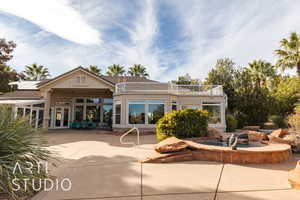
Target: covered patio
<point x="72" y="108"/>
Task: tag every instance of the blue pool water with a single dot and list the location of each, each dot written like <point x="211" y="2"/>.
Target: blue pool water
<point x="223" y="144"/>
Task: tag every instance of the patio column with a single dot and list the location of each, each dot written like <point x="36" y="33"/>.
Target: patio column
<point x="46" y="118"/>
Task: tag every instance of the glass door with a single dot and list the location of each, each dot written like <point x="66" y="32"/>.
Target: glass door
<point x="61" y="117"/>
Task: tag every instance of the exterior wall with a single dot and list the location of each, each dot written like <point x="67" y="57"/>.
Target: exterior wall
<point x="180" y="100"/>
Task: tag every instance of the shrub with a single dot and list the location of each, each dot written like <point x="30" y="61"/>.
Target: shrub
<point x="185" y="123"/>
<point x="279" y="121"/>
<point x="231" y="123"/>
<point x="19" y="143"/>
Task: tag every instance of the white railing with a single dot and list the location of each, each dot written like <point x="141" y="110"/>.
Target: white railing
<point x="131" y="143"/>
<point x="169" y="88"/>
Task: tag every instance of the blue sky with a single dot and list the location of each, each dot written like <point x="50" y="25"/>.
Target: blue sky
<point x="169" y="37"/>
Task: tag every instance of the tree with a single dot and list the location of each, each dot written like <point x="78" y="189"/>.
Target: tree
<point x="252" y="102"/>
<point x="115" y="70"/>
<point x="289" y="53"/>
<point x="187" y="80"/>
<point x="224" y="74"/>
<point x="94" y="69"/>
<point x="6" y="48"/>
<point x="264" y="73"/>
<point x="284" y="98"/>
<point x="36" y="72"/>
<point x="138" y="70"/>
<point x="7" y="75"/>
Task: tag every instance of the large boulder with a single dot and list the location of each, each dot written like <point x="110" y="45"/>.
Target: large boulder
<point x="278" y="140"/>
<point x="214" y="133"/>
<point x="171" y="144"/>
<point x="279" y="133"/>
<point x="256" y="136"/>
<point x="294" y="177"/>
<point x="291" y="139"/>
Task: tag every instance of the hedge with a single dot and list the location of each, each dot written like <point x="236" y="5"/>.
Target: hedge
<point x="185" y="123"/>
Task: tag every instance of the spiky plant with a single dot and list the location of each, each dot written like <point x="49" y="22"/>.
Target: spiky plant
<point x="36" y="72"/>
<point x="289" y="53"/>
<point x="19" y="143"/>
<point x="138" y="70"/>
<point x="94" y="69"/>
<point x="115" y="70"/>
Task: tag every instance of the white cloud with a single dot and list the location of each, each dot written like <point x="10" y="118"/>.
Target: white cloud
<point x="241" y="30"/>
<point x="55" y="16"/>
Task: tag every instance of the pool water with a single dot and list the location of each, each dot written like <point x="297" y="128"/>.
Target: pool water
<point x="224" y="144"/>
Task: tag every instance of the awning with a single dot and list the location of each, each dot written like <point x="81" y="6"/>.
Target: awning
<point x="20" y="102"/>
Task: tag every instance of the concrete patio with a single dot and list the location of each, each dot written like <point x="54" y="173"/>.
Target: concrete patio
<point x="101" y="168"/>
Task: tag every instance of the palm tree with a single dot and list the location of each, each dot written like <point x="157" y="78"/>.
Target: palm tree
<point x="263" y="72"/>
<point x="138" y="70"/>
<point x="36" y="72"/>
<point x="289" y="53"/>
<point x="115" y="70"/>
<point x="94" y="69"/>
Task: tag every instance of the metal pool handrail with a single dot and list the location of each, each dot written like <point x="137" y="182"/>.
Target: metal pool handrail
<point x="132" y="143"/>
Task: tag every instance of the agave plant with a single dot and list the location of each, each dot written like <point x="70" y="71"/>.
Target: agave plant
<point x="20" y="145"/>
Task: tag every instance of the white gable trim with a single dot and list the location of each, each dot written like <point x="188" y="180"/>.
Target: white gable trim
<point x="74" y="71"/>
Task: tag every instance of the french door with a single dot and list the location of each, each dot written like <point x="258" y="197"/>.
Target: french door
<point x="61" y="117"/>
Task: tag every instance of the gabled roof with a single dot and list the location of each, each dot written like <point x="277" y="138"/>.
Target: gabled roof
<point x="46" y="82"/>
<point x="110" y="79"/>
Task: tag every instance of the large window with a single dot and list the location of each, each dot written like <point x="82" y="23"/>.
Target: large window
<point x="117" y="112"/>
<point x="136" y="113"/>
<point x="93" y="113"/>
<point x="107" y="114"/>
<point x="155" y="112"/>
<point x="214" y="110"/>
<point x="78" y="113"/>
<point x="145" y="111"/>
<point x="95" y="109"/>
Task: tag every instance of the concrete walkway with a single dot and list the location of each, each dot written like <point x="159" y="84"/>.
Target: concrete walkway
<point x="101" y="168"/>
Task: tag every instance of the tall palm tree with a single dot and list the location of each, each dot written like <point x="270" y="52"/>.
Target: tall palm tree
<point x="115" y="70"/>
<point x="94" y="69"/>
<point x="36" y="72"/>
<point x="289" y="53"/>
<point x="263" y="72"/>
<point x="138" y="70"/>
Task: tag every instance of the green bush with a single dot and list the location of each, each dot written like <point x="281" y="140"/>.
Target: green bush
<point x="19" y="143"/>
<point x="279" y="121"/>
<point x="185" y="123"/>
<point x="231" y="123"/>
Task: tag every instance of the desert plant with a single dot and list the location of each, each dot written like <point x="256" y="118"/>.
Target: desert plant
<point x="20" y="145"/>
<point x="231" y="123"/>
<point x="185" y="123"/>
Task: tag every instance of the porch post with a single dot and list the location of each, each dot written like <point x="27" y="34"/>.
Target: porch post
<point x="46" y="118"/>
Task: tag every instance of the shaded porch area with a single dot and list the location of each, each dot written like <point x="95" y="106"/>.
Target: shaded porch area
<point x="80" y="108"/>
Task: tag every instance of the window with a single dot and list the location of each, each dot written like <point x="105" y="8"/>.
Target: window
<point x="107" y="113"/>
<point x="155" y="112"/>
<point x="214" y="110"/>
<point x="93" y="113"/>
<point x="174" y="105"/>
<point x="20" y="112"/>
<point x="118" y="113"/>
<point x="78" y="113"/>
<point x="145" y="111"/>
<point x="136" y="113"/>
<point x="108" y="100"/>
<point x="80" y="79"/>
<point x="79" y="100"/>
<point x="93" y="100"/>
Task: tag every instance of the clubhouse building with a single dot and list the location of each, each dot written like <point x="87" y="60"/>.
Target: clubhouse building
<point x="82" y="99"/>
